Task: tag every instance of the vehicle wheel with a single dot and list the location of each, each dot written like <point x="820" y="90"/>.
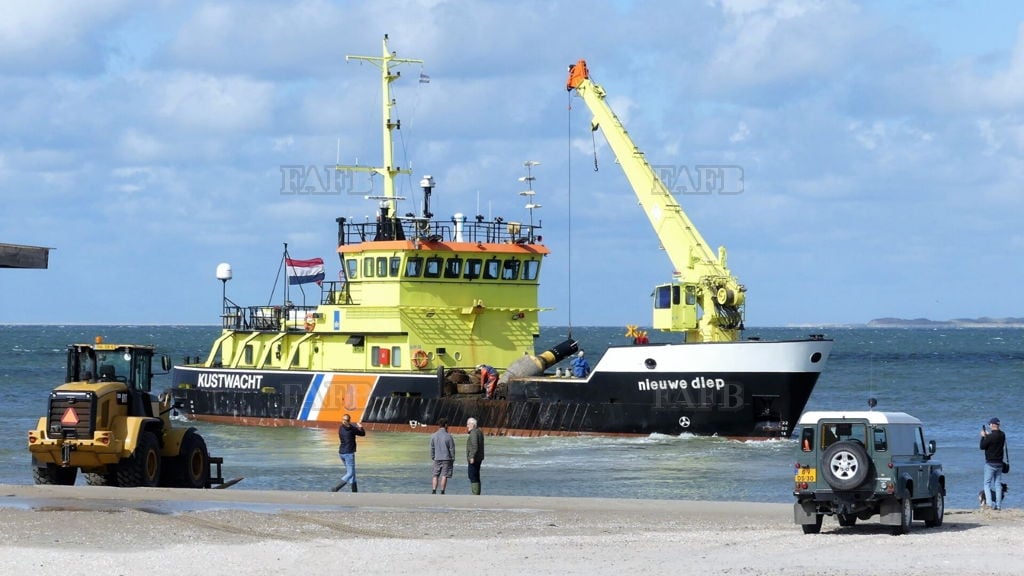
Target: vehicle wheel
<point x="813" y="528"/>
<point x="845" y="465"/>
<point x="53" y="474"/>
<point x="939" y="508"/>
<point x="142" y="468"/>
<point x="847" y="520"/>
<point x="192" y="465"/>
<point x="109" y="479"/>
<point x="906" y="517"/>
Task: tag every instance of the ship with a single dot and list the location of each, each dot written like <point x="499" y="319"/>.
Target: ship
<point x="422" y="303"/>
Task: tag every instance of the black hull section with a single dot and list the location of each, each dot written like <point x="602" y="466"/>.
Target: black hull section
<point x="754" y="405"/>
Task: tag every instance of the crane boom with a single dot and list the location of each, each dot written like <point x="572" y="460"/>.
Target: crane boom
<point x="704" y="301"/>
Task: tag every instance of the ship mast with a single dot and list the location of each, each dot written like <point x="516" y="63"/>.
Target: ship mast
<point x="388" y="171"/>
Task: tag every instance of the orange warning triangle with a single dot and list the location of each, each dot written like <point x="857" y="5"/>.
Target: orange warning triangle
<point x="70" y="417"/>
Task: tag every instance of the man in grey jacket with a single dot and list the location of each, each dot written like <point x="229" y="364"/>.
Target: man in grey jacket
<point x="442" y="452"/>
<point x="474" y="454"/>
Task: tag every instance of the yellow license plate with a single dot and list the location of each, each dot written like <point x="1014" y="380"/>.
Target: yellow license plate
<point x="806" y="475"/>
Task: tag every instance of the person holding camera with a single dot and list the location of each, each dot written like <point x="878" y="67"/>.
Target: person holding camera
<point x="347" y="433"/>
<point x="993" y="443"/>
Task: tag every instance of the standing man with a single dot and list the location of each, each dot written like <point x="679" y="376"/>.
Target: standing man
<point x="580" y="366"/>
<point x="474" y="454"/>
<point x="347" y="433"/>
<point x="442" y="452"/>
<point x="993" y="443"/>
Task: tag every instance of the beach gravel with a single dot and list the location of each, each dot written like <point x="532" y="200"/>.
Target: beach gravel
<point x="155" y="531"/>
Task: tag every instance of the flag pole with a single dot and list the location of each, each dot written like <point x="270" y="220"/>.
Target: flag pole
<point x="286" y="272"/>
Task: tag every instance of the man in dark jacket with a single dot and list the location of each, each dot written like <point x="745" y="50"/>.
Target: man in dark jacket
<point x="347" y="433"/>
<point x="474" y="454"/>
<point x="994" y="444"/>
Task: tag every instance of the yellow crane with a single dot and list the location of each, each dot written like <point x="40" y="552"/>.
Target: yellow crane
<point x="704" y="300"/>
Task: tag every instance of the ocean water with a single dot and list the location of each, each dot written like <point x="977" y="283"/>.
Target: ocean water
<point x="953" y="379"/>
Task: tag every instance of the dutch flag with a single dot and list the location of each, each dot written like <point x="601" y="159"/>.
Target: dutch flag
<point x="305" y="271"/>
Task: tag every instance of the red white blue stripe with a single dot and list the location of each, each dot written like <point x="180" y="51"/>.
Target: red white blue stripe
<point x="304" y="271"/>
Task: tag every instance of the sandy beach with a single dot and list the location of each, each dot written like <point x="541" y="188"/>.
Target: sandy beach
<point x="110" y="531"/>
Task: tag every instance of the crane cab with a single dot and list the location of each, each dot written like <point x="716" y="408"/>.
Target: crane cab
<point x="675" y="307"/>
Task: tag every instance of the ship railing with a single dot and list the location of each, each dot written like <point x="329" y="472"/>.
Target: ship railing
<point x="335" y="292"/>
<point x="265" y="318"/>
<point x="495" y="231"/>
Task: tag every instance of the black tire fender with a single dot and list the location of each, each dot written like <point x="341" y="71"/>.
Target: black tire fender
<point x="845" y="465"/>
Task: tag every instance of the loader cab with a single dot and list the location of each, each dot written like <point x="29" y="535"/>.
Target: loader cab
<point x="129" y="364"/>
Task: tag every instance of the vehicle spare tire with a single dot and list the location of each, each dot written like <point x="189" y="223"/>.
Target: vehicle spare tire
<point x="845" y="465"/>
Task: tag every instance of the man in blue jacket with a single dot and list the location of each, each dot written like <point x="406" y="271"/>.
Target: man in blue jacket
<point x="580" y="366"/>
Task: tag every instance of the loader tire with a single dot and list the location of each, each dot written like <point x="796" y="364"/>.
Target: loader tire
<point x="191" y="467"/>
<point x="142" y="468"/>
<point x="53" y="474"/>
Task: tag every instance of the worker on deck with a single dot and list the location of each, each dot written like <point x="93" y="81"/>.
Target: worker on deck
<point x="488" y="379"/>
<point x="580" y="366"/>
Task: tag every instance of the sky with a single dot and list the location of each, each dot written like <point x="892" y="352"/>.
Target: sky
<point x="878" y="147"/>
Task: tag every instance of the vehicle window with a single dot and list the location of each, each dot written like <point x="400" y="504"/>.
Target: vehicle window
<point x="691" y="295"/>
<point x="395" y="266"/>
<point x="414" y="267"/>
<point x="836" y="431"/>
<point x="881" y="441"/>
<point x="473" y="266"/>
<point x="353" y="268"/>
<point x="382" y="267"/>
<point x="807" y="439"/>
<point x="433" y="268"/>
<point x="367" y="267"/>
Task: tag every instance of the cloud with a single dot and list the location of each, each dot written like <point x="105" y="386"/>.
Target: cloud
<point x="50" y="36"/>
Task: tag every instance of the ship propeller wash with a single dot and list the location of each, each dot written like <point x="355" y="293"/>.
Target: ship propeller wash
<point x="425" y="301"/>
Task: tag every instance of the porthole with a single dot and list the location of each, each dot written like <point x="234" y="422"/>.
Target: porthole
<point x="816" y="357"/>
<point x="651" y="363"/>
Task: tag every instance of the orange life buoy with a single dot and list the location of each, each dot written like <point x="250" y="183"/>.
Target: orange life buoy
<point x="310" y="322"/>
<point x="420" y="359"/>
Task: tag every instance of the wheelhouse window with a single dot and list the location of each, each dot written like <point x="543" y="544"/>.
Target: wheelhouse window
<point x="510" y="269"/>
<point x="353" y="268"/>
<point x="414" y="267"/>
<point x="531" y="269"/>
<point x="394" y="266"/>
<point x="492" y="269"/>
<point x="473" y="266"/>
<point x="433" y="267"/>
<point x="382" y="267"/>
<point x="453" y="267"/>
<point x="368" y="267"/>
